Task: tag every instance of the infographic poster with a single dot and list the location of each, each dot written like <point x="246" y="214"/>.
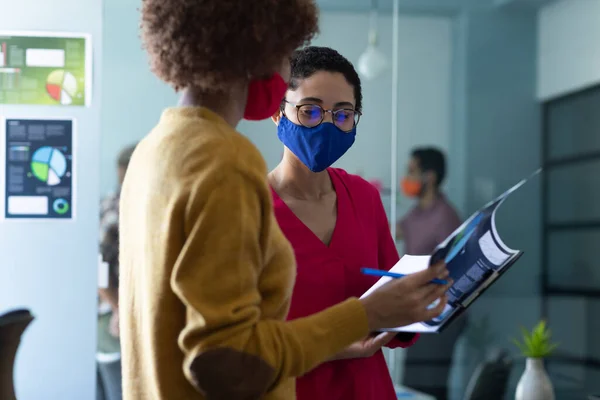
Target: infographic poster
<point x="38" y="168"/>
<point x="51" y="69"/>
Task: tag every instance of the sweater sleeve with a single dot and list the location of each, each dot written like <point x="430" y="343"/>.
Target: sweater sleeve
<point x="388" y="257"/>
<point x="230" y="350"/>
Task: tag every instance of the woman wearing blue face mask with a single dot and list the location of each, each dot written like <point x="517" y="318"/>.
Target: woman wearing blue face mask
<point x="334" y="220"/>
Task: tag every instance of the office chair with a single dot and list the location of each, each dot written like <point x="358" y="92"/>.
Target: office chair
<point x="12" y="326"/>
<point x="490" y="379"/>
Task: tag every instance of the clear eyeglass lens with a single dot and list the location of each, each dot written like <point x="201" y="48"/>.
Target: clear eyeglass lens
<point x="311" y="115"/>
<point x="345" y="119"/>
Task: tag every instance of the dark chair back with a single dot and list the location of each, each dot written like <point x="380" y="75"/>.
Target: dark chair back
<point x="490" y="379"/>
<point x="12" y="326"/>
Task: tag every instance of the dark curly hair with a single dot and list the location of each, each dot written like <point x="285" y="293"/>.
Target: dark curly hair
<point x="210" y="44"/>
<point x="309" y="60"/>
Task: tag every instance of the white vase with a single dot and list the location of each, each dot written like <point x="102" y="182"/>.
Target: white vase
<point x="534" y="383"/>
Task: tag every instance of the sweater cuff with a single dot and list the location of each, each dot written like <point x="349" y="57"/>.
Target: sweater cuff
<point x="349" y="319"/>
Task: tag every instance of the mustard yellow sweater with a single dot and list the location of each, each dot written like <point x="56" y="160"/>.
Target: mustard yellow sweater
<point x="207" y="275"/>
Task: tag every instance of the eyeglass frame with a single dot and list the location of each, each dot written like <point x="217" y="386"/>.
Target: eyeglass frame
<point x="333" y="112"/>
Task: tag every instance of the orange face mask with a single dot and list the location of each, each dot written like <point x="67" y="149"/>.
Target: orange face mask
<point x="411" y="187"/>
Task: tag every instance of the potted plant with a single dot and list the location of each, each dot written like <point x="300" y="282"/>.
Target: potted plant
<point x="535" y="346"/>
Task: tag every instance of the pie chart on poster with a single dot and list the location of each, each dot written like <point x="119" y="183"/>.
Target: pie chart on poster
<point x="49" y="165"/>
<point x="61" y="86"/>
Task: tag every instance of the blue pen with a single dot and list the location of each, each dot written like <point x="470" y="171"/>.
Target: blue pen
<point x="378" y="272"/>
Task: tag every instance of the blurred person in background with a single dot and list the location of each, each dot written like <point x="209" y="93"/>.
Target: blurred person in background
<point x="432" y="218"/>
<point x="428" y="224"/>
<point x="108" y="382"/>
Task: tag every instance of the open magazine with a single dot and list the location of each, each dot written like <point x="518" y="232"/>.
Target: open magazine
<point x="475" y="256"/>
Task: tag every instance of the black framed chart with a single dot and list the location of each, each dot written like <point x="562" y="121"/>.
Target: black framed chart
<point x="38" y="168"/>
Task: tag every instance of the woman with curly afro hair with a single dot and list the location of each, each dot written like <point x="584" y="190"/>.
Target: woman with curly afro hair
<point x="206" y="275"/>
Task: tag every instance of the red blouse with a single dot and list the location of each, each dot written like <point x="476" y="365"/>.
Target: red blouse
<point x="330" y="274"/>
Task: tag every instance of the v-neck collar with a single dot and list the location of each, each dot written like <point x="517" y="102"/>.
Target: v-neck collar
<point x="340" y="203"/>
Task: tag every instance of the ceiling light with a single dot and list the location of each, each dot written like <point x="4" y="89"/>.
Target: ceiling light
<point x="372" y="62"/>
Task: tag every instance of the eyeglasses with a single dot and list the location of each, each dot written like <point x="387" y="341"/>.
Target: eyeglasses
<point x="312" y="115"/>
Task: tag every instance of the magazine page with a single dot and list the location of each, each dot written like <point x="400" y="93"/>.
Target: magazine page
<point x="474" y="255"/>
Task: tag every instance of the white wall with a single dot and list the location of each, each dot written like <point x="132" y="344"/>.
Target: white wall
<point x="568" y="55"/>
<point x="424" y="106"/>
<point x="133" y="97"/>
<point x="50" y="267"/>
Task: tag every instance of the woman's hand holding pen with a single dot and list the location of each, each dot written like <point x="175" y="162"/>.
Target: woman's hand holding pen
<point x="405" y="301"/>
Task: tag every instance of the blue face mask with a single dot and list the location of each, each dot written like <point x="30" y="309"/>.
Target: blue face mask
<point x="319" y="147"/>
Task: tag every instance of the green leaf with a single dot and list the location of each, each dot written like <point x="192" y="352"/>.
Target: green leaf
<point x="528" y="342"/>
<point x="537" y="342"/>
<point x="540" y="328"/>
